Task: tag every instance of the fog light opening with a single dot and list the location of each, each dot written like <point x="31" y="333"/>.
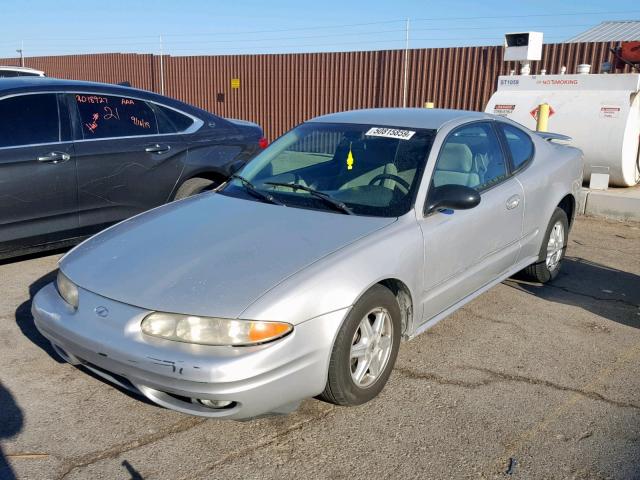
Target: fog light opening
<point x="215" y="404"/>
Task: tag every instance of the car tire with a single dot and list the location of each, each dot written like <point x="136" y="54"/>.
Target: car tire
<point x="193" y="186"/>
<point x="376" y="361"/>
<point x="551" y="251"/>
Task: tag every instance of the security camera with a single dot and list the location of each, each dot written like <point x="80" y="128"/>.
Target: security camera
<point x="523" y="46"/>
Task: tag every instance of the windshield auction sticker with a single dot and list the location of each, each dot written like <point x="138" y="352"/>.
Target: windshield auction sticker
<point x="390" y="133"/>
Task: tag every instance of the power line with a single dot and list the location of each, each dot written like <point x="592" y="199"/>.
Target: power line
<point x="334" y="26"/>
<point x="322" y="45"/>
<point x="497" y="38"/>
<point x="224" y="33"/>
<point x="261" y="40"/>
<point x="573" y="14"/>
<point x="51" y="43"/>
<point x="359" y="34"/>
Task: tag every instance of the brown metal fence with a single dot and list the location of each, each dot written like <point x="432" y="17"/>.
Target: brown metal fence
<point x="279" y="91"/>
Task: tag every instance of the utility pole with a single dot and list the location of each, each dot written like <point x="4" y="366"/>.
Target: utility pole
<point x="406" y="66"/>
<point x="161" y="67"/>
<point x="21" y="52"/>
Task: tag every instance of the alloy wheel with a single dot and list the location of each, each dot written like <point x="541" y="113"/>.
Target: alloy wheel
<point x="371" y="347"/>
<point x="555" y="246"/>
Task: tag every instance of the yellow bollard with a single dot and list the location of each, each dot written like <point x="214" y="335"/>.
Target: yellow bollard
<point x="428" y="104"/>
<point x="543" y="117"/>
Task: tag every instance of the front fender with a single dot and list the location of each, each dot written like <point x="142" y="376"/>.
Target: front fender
<point x="338" y="280"/>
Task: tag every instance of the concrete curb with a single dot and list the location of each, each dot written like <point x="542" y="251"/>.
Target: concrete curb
<point x="615" y="203"/>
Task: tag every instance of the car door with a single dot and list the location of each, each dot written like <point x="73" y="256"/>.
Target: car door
<point x="466" y="250"/>
<point x="127" y="163"/>
<point x="38" y="190"/>
<point x="521" y="151"/>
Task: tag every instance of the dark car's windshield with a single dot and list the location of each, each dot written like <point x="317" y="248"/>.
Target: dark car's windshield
<point x="370" y="169"/>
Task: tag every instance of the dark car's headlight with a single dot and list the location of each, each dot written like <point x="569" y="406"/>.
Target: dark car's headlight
<point x="67" y="289"/>
<point x="211" y="330"/>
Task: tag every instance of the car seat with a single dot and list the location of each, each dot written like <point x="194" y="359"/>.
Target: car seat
<point x="456" y="167"/>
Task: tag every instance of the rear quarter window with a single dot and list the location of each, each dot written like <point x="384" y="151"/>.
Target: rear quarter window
<point x="172" y="121"/>
<point x="108" y="116"/>
<point x="520" y="145"/>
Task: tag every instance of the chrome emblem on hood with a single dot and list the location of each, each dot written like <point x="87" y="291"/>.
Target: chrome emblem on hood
<point x="101" y="311"/>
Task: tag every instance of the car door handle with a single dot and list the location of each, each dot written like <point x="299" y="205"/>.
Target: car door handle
<point x="157" y="148"/>
<point x="513" y="202"/>
<point x="54" y="157"/>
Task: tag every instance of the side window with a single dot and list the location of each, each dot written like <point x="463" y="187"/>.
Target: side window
<point x="471" y="156"/>
<point x="520" y="145"/>
<point x="29" y="119"/>
<point x="171" y="121"/>
<point x="107" y="116"/>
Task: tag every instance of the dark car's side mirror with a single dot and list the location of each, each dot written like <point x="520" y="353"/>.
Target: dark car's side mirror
<point x="454" y="197"/>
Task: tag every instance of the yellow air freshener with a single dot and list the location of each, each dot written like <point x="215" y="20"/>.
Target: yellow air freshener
<point x="350" y="159"/>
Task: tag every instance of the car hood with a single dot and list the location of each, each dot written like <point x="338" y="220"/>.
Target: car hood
<point x="210" y="254"/>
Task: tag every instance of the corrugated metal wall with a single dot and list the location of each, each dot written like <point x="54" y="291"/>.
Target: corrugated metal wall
<point x="279" y="91"/>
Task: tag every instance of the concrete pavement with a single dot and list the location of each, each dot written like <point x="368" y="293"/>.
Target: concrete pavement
<point x="540" y="381"/>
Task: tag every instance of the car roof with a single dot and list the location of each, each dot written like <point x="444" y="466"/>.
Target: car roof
<point x="48" y="84"/>
<point x="429" y="118"/>
<point x="20" y="69"/>
<point x="13" y="83"/>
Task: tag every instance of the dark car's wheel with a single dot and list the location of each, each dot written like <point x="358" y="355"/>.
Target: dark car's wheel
<point x="365" y="349"/>
<point x="193" y="186"/>
<point x="552" y="251"/>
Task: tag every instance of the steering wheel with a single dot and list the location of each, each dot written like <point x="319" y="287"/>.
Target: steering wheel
<point x="399" y="180"/>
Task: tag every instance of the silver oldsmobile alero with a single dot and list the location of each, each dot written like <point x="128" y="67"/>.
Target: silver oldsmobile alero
<point x="299" y="276"/>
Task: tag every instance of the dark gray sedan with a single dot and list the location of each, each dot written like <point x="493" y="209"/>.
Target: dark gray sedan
<point x="76" y="157"/>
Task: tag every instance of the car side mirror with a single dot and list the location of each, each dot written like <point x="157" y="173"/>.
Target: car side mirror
<point x="454" y="197"/>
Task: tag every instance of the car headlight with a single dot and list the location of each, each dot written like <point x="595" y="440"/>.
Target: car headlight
<point x="211" y="330"/>
<point x="67" y="289"/>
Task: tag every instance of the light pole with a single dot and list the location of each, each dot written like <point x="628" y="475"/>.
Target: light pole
<point x="405" y="88"/>
<point x="161" y="67"/>
<point x="19" y="50"/>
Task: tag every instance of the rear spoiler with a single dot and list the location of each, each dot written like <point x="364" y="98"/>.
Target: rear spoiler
<point x="549" y="137"/>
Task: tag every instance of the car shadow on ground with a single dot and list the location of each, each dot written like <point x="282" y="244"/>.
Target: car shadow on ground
<point x="607" y="292"/>
<point x="34" y="255"/>
<point x="11" y="422"/>
<point x="24" y="319"/>
<point x="25" y="322"/>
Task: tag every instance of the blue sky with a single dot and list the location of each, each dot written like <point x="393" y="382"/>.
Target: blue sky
<point x="191" y="27"/>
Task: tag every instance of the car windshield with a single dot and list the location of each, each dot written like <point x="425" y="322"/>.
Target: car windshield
<point x="347" y="168"/>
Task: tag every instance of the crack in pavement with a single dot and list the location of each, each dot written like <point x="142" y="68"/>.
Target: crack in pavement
<point x="631" y="251"/>
<point x="517" y="286"/>
<point x="265" y="443"/>
<point x="490" y="319"/>
<point x="114" y="451"/>
<point x="497" y="377"/>
<point x="28" y="456"/>
<point x="593" y="297"/>
<point x="628" y="355"/>
<point x="180" y="427"/>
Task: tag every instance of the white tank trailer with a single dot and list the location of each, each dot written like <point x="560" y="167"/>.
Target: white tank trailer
<point x="600" y="112"/>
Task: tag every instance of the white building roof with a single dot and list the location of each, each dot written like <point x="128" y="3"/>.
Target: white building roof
<point x="611" y="31"/>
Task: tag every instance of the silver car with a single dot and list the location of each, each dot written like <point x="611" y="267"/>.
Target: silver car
<point x="300" y="275"/>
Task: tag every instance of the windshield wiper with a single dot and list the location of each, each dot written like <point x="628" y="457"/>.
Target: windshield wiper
<point x="321" y="195"/>
<point x="251" y="188"/>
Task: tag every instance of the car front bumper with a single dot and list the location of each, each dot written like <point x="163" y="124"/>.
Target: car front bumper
<point x="262" y="379"/>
